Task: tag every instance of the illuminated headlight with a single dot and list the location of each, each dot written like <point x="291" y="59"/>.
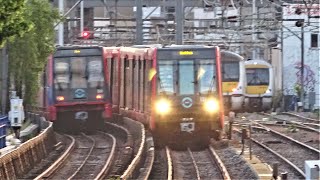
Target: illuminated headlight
<point x="268" y="91"/>
<point x="211" y="105"/>
<point x="162" y="106"/>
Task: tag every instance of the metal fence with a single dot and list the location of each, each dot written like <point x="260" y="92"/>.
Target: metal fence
<point x="3" y="130"/>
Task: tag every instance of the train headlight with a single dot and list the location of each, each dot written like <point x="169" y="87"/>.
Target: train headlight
<point x="162" y="106"/>
<point x="211" y="105"/>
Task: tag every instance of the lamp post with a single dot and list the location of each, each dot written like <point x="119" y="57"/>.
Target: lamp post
<point x="302" y="65"/>
<point x="300" y="23"/>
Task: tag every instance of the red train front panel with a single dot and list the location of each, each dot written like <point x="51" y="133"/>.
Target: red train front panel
<point x="79" y="96"/>
<point x="186" y="92"/>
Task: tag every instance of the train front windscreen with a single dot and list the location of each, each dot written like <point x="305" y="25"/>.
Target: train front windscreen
<point x="257" y="76"/>
<point x="230" y="71"/>
<point x="79" y="78"/>
<point x="186" y="76"/>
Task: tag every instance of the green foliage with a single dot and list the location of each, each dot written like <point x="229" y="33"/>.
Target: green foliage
<point x="297" y="88"/>
<point x="292" y="128"/>
<point x="28" y="54"/>
<point x="12" y="20"/>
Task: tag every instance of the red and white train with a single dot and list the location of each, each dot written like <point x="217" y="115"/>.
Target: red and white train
<point x="174" y="90"/>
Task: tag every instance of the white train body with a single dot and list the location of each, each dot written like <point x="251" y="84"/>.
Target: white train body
<point x="233" y="80"/>
<point x="259" y="85"/>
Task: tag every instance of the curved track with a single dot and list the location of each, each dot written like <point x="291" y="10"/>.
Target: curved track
<point x="84" y="158"/>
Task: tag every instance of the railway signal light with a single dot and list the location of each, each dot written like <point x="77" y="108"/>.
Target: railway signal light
<point x="300" y="23"/>
<point x="298" y="11"/>
<point x="85" y="34"/>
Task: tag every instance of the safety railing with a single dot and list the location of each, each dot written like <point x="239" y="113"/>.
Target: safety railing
<point x="3" y="130"/>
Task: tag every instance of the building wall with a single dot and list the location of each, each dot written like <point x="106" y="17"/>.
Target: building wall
<point x="292" y="57"/>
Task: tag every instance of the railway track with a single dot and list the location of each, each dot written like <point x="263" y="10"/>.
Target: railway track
<point x="306" y="119"/>
<point x="312" y="124"/>
<point x="87" y="157"/>
<point x="301" y="134"/>
<point x="288" y="152"/>
<point x="190" y="164"/>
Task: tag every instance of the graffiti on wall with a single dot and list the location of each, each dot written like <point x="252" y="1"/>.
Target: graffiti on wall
<point x="309" y="80"/>
<point x="292" y="77"/>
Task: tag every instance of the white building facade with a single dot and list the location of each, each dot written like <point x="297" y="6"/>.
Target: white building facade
<point x="292" y="59"/>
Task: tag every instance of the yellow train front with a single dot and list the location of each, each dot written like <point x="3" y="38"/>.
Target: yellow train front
<point x="259" y="85"/>
<point x="187" y="94"/>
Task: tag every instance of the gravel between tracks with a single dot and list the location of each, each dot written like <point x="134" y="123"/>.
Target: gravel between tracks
<point x="237" y="167"/>
<point x="308" y="137"/>
<point x="295" y="153"/>
<point x="160" y="165"/>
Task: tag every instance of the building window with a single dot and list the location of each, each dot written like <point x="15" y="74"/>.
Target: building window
<point x="314" y="40"/>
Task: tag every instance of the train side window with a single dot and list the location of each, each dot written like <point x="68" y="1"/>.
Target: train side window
<point x="111" y="80"/>
<point x="148" y="89"/>
<point x="145" y="80"/>
<point x="134" y="77"/>
<point x="140" y="92"/>
<point x="115" y="82"/>
<point x="128" y="89"/>
<point x="136" y="84"/>
<point x="124" y="81"/>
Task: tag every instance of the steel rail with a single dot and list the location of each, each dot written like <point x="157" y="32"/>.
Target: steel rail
<point x="108" y="163"/>
<point x="297" y="125"/>
<point x="222" y="168"/>
<point x="129" y="136"/>
<point x="57" y="164"/>
<point x="292" y="122"/>
<point x="137" y="158"/>
<point x="87" y="157"/>
<point x="149" y="160"/>
<point x="299" y="116"/>
<point x="194" y="164"/>
<point x="278" y="155"/>
<point x="169" y="160"/>
<point x="288" y="138"/>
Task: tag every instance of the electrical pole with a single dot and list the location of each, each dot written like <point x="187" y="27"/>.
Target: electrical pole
<point x="4" y="88"/>
<point x="302" y="65"/>
<point x="60" y="28"/>
<point x="179" y="21"/>
<point x="139" y="23"/>
<point x="253" y="28"/>
<point x="81" y="17"/>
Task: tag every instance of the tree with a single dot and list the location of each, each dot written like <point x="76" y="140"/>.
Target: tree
<point x="12" y="19"/>
<point x="28" y="54"/>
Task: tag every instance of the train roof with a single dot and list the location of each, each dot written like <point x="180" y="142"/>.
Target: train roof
<point x="175" y="46"/>
<point x="68" y="47"/>
<point x="225" y="55"/>
<point x="148" y="46"/>
<point x="141" y="53"/>
<point x="256" y="62"/>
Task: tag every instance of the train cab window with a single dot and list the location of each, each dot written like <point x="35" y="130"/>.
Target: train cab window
<point x="78" y="72"/>
<point x="61" y="74"/>
<point x="230" y="71"/>
<point x="257" y="76"/>
<point x="165" y="77"/>
<point x="206" y="77"/>
<point x="186" y="77"/>
<point x="95" y="74"/>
